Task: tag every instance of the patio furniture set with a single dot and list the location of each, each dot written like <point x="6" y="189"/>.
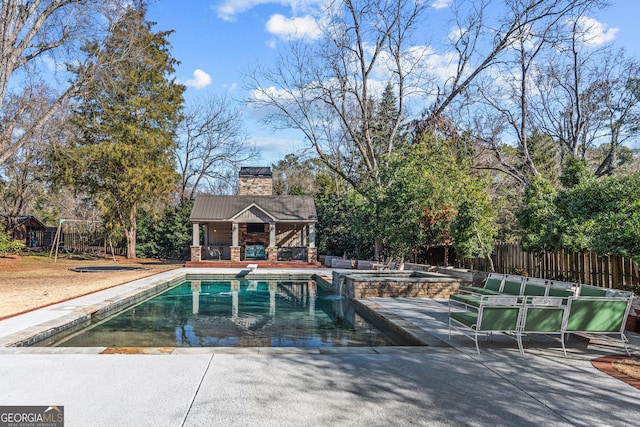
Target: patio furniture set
<point x="520" y="306"/>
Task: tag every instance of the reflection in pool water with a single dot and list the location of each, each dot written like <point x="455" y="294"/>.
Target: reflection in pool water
<point x="236" y="313"/>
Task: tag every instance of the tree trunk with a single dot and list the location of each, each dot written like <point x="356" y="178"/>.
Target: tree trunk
<point x="130" y="233"/>
<point x="492" y="268"/>
<point x="377" y="248"/>
<point x="446" y="256"/>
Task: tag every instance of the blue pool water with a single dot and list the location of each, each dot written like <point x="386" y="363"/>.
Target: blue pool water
<point x="235" y="313"/>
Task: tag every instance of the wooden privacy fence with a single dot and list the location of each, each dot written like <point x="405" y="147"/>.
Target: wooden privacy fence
<point x="607" y="271"/>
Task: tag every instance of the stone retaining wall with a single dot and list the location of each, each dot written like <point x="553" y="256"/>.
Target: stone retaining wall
<point x="367" y="284"/>
<point x="389" y="288"/>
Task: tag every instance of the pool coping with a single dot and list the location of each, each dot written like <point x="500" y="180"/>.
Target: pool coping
<point x="41" y="324"/>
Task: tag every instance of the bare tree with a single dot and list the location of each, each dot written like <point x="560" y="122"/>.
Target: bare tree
<point x="329" y="90"/>
<point x="477" y="30"/>
<point x="326" y="90"/>
<point x="588" y="98"/>
<point x="212" y="145"/>
<point x="618" y="95"/>
<point x="25" y="187"/>
<point x="564" y="112"/>
<point x="36" y="34"/>
<point x="511" y="95"/>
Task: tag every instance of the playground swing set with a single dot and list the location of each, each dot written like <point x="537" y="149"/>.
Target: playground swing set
<point x="78" y="236"/>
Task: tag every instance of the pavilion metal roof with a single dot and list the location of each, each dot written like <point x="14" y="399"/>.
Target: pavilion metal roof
<point x="281" y="208"/>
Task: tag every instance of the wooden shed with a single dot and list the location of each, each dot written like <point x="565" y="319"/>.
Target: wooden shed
<point x="28" y="229"/>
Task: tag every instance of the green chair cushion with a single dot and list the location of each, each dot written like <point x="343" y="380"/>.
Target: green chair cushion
<point x="512" y="287"/>
<point x="471" y="300"/>
<point x="534" y="290"/>
<point x="499" y="318"/>
<point x="596" y="315"/>
<point x="592" y="291"/>
<point x="467" y="318"/>
<point x="544" y="319"/>
<point x="556" y="292"/>
<point x="493" y="284"/>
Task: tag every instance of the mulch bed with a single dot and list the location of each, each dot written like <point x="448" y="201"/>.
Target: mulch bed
<point x="605" y="364"/>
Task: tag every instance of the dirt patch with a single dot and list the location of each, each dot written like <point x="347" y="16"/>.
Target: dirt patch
<point x="34" y="281"/>
<point x="625" y="368"/>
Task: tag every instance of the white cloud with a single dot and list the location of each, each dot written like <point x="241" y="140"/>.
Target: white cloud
<point x="441" y="4"/>
<point x="300" y="27"/>
<point x="229" y="9"/>
<point x="266" y="94"/>
<point x="200" y="79"/>
<point x="272" y="43"/>
<point x="272" y="149"/>
<point x="595" y="33"/>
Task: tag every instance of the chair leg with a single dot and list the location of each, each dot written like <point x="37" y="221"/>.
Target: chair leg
<point x="519" y="339"/>
<point x="624" y="339"/>
<point x="562" y="339"/>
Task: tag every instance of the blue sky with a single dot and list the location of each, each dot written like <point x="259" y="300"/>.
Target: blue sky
<point x="217" y="41"/>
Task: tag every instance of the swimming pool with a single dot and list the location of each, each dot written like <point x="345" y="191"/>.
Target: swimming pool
<point x="235" y="312"/>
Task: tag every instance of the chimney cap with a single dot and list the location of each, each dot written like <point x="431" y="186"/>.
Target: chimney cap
<point x="254" y="172"/>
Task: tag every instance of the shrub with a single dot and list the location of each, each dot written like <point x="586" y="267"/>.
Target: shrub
<point x="8" y="245"/>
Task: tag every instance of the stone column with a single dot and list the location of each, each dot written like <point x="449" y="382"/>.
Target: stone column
<point x="235" y="253"/>
<point x="196" y="253"/>
<point x="272" y="250"/>
<point x="196" y="250"/>
<point x="235" y="248"/>
<point x="272" y="253"/>
<point x="196" y="235"/>
<point x="234" y="234"/>
<point x="272" y="234"/>
<point x="312" y="235"/>
<point x="312" y="255"/>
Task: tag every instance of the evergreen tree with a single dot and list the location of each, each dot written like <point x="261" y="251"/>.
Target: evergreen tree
<point x="127" y="116"/>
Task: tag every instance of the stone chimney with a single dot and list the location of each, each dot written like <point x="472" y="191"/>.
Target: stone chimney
<point x="256" y="181"/>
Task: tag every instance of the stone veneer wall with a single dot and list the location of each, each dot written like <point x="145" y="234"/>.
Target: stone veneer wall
<point x="394" y="284"/>
<point x="253" y="238"/>
<point x="390" y="288"/>
<point x="256" y="186"/>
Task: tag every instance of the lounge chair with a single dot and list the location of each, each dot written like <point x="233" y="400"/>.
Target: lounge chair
<point x="502" y="284"/>
<point x="250" y="252"/>
<point x="495" y="314"/>
<point x="389" y="264"/>
<point x="492" y="286"/>
<point x="534" y="286"/>
<point x="513" y="285"/>
<point x="542" y="315"/>
<point x="260" y="252"/>
<point x="563" y="316"/>
<point x="597" y="315"/>
<point x="597" y="291"/>
<point x="561" y="289"/>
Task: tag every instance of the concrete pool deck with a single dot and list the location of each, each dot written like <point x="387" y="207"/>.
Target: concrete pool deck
<point x="444" y="384"/>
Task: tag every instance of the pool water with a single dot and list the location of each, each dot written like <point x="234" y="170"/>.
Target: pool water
<point x="235" y="313"/>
